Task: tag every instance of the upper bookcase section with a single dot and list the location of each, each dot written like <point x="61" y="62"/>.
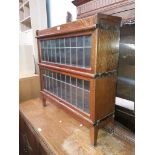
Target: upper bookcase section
<point x="84" y="24"/>
<point x="89" y="45"/>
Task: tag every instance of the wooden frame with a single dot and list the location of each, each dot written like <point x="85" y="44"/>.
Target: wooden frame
<point x="88" y="70"/>
<point x="104" y="31"/>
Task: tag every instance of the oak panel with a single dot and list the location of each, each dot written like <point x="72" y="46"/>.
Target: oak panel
<point x="75" y="54"/>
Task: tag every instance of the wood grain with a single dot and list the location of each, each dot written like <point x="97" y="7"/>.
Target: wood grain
<point x="67" y="137"/>
<point x="73" y="27"/>
<point x="78" y="26"/>
<point x="104" y="57"/>
<point x="108" y="51"/>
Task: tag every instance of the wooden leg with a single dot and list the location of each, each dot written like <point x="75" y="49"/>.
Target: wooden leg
<point x="111" y="125"/>
<point x="93" y="135"/>
<point x="44" y="101"/>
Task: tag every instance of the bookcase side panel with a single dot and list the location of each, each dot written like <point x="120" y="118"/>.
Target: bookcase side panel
<point x="105" y="89"/>
<point x="94" y="50"/>
<point x="108" y="50"/>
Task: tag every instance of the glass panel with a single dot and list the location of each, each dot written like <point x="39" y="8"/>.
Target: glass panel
<point x="57" y="42"/>
<point x="61" y="42"/>
<point x="48" y="83"/>
<point x="48" y="44"/>
<point x="54" y="83"/>
<point x="45" y="44"/>
<point x="67" y="56"/>
<point x="53" y="55"/>
<point x="87" y="85"/>
<point x="73" y="42"/>
<point x="54" y="43"/>
<point x="80" y="57"/>
<point x="86" y="96"/>
<point x="45" y="82"/>
<point x="49" y="55"/>
<point x="79" y="98"/>
<point x="51" y="84"/>
<point x="79" y="83"/>
<point x="63" y="86"/>
<point x="73" y="97"/>
<point x="87" y="41"/>
<point x="57" y="55"/>
<point x="80" y="94"/>
<point x="59" y="85"/>
<point x="62" y="56"/>
<point x="73" y="56"/>
<point x="68" y="97"/>
<point x="74" y="51"/>
<point x="79" y="41"/>
<point x="72" y="90"/>
<point x="86" y="101"/>
<point x="73" y="83"/>
<point x="43" y="54"/>
<point x="42" y="44"/>
<point x="44" y="79"/>
<point x="87" y="57"/>
<point x="67" y="42"/>
<point x="46" y="54"/>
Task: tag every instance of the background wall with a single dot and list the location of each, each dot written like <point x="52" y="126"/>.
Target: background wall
<point x="58" y="14"/>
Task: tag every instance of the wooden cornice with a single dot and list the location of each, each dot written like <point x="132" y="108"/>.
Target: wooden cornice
<point x="80" y="2"/>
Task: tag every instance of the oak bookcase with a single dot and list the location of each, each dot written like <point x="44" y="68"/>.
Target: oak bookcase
<point x="78" y="63"/>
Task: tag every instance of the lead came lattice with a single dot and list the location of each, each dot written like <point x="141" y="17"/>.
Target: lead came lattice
<point x="74" y="91"/>
<point x="74" y="51"/>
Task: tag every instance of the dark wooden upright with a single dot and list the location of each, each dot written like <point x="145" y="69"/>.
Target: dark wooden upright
<point x="78" y="63"/>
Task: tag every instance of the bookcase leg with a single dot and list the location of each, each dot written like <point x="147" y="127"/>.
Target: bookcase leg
<point x="93" y="135"/>
<point x="111" y="126"/>
<point x="44" y="101"/>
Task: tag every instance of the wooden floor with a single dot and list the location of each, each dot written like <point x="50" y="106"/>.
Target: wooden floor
<point x="66" y="136"/>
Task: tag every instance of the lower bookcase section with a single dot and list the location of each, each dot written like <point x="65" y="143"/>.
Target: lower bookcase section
<point x="72" y="90"/>
<point x="91" y="101"/>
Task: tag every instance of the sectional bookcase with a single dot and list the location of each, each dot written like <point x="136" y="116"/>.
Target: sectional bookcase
<point x="78" y="64"/>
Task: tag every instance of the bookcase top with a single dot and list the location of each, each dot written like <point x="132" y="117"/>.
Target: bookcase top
<point x="84" y="24"/>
